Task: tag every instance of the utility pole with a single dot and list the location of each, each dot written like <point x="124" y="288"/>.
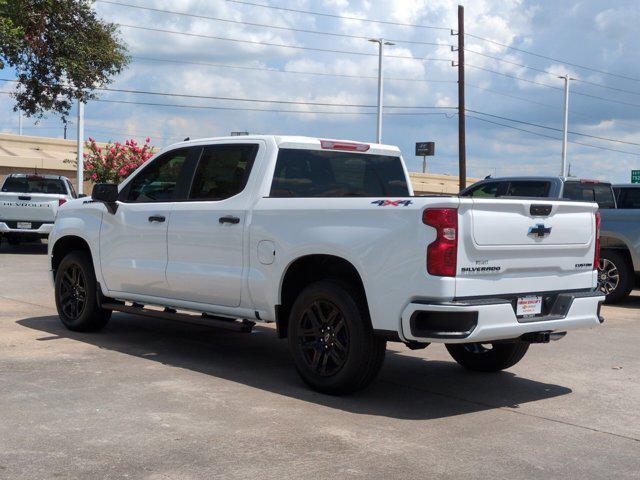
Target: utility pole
<point x="381" y="43"/>
<point x="462" y="148"/>
<point x="80" y="169"/>
<point x="19" y="122"/>
<point x="563" y="171"/>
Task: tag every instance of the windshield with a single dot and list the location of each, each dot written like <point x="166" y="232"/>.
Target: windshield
<point x="34" y="184"/>
<point x="314" y="173"/>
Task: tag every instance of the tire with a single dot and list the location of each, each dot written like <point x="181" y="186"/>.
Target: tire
<point x="615" y="275"/>
<point x="331" y="339"/>
<point x="479" y="358"/>
<point x="77" y="296"/>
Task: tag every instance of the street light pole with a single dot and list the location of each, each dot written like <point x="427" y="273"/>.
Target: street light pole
<point x="563" y="171"/>
<point x="80" y="140"/>
<point x="381" y="43"/>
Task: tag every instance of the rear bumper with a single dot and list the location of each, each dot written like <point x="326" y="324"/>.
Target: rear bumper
<point x="44" y="229"/>
<point x="488" y="319"/>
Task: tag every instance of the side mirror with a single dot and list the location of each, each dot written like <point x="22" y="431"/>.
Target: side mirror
<point x="82" y="195"/>
<point x="105" y="192"/>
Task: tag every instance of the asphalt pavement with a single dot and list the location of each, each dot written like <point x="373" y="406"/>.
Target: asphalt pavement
<point x="154" y="399"/>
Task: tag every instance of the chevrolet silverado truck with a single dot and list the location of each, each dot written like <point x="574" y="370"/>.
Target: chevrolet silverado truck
<point x="620" y="232"/>
<point x="325" y="238"/>
<point x="29" y="203"/>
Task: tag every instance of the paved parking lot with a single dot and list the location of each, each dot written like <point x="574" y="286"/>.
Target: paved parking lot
<point x="153" y="399"/>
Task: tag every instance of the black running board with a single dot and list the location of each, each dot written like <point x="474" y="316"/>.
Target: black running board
<point x="244" y="326"/>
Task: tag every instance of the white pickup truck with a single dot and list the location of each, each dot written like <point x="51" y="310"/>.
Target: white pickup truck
<point x="325" y="238"/>
<point x="29" y="203"/>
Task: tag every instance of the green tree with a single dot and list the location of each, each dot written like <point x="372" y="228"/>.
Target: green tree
<point x="60" y="51"/>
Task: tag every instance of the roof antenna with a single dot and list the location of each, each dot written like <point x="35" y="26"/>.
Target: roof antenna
<point x="186" y="139"/>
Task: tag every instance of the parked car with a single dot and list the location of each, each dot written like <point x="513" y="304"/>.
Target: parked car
<point x="28" y="205"/>
<point x="325" y="238"/>
<point x="620" y="232"/>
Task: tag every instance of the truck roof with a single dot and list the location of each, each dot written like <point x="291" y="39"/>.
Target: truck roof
<point x="293" y="141"/>
<point x="545" y="178"/>
<point x="45" y="176"/>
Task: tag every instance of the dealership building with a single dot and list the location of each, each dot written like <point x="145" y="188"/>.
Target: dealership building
<point x="30" y="154"/>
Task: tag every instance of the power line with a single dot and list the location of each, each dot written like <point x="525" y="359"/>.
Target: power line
<point x="604" y="72"/>
<point x="546" y="127"/>
<point x="297" y="72"/>
<point x="248" y="109"/>
<point x="573" y="92"/>
<point x="253" y="100"/>
<point x="513" y="76"/>
<point x="553" y="138"/>
<point x="279" y="45"/>
<point x="341" y="17"/>
<point x="257" y="100"/>
<point x="555" y="107"/>
<point x="263" y="25"/>
<point x="587" y="82"/>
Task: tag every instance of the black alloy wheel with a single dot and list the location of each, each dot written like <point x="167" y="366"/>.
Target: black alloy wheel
<point x="73" y="293"/>
<point x="331" y="340"/>
<point x="324" y="338"/>
<point x="487" y="357"/>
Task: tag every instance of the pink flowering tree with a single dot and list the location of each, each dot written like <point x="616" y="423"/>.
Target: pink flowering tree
<point x="115" y="161"/>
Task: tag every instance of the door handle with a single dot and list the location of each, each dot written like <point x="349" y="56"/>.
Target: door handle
<point x="229" y="219"/>
<point x="157" y="218"/>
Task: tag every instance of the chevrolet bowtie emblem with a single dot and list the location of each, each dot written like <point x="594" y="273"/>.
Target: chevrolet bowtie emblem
<point x="539" y="230"/>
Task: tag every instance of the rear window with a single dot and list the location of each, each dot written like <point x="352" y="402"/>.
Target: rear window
<point x="629" y="198"/>
<point x="34" y="185"/>
<point x="601" y="193"/>
<point x="311" y="173"/>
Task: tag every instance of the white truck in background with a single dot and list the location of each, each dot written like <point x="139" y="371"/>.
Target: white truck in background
<point x="29" y="203"/>
<point x="325" y="238"/>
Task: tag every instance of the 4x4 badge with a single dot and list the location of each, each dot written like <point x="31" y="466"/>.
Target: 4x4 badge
<point x="539" y="230"/>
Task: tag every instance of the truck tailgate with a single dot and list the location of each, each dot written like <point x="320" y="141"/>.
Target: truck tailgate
<point x="524" y="246"/>
<point x="37" y="207"/>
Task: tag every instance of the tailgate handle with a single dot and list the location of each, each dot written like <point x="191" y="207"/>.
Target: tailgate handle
<point x="540" y="210"/>
<point x="24" y="197"/>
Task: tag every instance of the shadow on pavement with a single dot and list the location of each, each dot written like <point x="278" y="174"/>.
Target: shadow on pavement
<point x="632" y="301"/>
<point x="31" y="248"/>
<point x="408" y="387"/>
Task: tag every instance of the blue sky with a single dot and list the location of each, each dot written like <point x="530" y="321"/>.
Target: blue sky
<point x="596" y="34"/>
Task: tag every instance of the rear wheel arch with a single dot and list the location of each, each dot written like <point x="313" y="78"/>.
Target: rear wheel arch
<point x="308" y="269"/>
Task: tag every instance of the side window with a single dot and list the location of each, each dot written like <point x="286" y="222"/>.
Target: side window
<point x="529" y="188"/>
<point x="71" y="189"/>
<point x="223" y="171"/>
<point x="157" y="182"/>
<point x="486" y="190"/>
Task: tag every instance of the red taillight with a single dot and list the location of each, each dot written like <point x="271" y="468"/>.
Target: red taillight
<point x="349" y="146"/>
<point x="61" y="201"/>
<point x="596" y="255"/>
<point x="442" y="254"/>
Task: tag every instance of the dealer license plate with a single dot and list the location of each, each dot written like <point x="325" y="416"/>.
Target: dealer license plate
<point x="528" y="306"/>
<point x="23" y="225"/>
